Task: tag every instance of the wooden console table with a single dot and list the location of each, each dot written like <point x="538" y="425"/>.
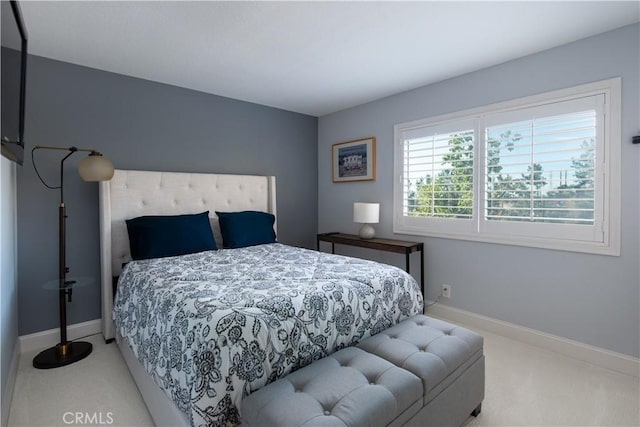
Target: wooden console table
<point x="387" y="245"/>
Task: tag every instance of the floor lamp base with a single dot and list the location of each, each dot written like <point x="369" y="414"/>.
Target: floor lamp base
<point x="62" y="354"/>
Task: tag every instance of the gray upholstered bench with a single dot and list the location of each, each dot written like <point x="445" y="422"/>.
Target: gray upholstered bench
<point x="447" y="358"/>
<point x="422" y="372"/>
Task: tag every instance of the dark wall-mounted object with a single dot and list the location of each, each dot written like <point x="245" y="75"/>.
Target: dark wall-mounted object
<point x="14" y="81"/>
<point x="636" y="139"/>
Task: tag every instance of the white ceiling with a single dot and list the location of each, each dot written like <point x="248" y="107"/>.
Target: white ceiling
<point x="309" y="57"/>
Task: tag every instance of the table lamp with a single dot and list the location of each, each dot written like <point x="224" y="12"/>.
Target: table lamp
<point x="365" y="214"/>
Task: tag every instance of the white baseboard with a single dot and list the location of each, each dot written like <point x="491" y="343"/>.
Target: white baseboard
<point x="7" y="397"/>
<point x="587" y="353"/>
<point x="46" y="339"/>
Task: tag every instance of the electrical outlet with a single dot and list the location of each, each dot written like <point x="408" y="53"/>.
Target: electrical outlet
<point x="446" y="291"/>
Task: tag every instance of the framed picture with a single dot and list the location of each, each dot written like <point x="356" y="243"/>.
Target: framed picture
<point x="354" y="160"/>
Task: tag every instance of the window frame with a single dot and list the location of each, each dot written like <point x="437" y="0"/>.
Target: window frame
<point x="609" y="179"/>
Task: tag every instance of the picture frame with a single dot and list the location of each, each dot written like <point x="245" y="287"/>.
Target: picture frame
<point x="354" y="160"/>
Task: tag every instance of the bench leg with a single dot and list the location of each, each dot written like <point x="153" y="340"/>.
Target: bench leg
<point x="476" y="411"/>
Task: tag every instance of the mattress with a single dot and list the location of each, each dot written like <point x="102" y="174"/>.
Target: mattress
<point x="212" y="327"/>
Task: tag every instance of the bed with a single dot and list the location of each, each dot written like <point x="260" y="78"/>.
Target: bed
<point x="201" y="331"/>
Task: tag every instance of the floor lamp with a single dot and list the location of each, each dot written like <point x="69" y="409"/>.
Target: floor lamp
<point x="92" y="168"/>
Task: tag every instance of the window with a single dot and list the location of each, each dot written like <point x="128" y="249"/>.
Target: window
<point x="542" y="171"/>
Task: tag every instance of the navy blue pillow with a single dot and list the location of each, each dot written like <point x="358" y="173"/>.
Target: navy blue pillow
<point x="247" y="228"/>
<point x="163" y="236"/>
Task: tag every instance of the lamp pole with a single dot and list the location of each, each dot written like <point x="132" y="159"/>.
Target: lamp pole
<point x="63" y="347"/>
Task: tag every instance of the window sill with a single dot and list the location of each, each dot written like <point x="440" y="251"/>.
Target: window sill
<point x="524" y="241"/>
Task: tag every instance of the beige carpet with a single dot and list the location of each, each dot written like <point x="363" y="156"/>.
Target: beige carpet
<point x="528" y="386"/>
<point x="525" y="386"/>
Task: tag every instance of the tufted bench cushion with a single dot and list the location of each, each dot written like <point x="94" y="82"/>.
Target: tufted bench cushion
<point x="435" y="351"/>
<point x="420" y="372"/>
<point x="348" y="388"/>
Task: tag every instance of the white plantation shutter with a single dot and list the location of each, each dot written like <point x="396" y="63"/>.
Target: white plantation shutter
<point x="436" y="192"/>
<point x="426" y="172"/>
<point x="554" y="160"/>
<point x="540" y="168"/>
<point x="541" y="171"/>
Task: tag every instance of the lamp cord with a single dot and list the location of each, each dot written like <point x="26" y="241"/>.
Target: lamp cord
<point x="61" y="186"/>
<point x="434" y="302"/>
<point x="33" y="161"/>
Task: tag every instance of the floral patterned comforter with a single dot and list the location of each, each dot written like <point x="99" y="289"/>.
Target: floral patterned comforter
<point x="214" y="326"/>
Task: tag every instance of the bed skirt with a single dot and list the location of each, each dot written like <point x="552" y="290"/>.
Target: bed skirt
<point x="162" y="409"/>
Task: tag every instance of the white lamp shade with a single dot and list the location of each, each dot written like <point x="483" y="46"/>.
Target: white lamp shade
<point x="95" y="167"/>
<point x="366" y="213"/>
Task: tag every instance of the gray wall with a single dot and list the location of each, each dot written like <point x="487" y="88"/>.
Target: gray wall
<point x="589" y="298"/>
<point x="8" y="279"/>
<point x="140" y="124"/>
<point x="8" y="240"/>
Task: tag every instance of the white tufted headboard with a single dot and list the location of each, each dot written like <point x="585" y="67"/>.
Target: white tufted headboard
<point x="132" y="194"/>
